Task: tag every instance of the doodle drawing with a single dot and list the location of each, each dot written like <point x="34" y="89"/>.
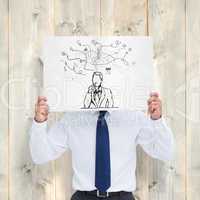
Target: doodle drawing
<point x="98" y="96"/>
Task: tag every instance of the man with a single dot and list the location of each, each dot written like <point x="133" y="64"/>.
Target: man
<point x="98" y="96"/>
<point x="103" y="146"/>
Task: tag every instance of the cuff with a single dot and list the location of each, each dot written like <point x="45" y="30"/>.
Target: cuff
<point x="39" y="125"/>
<point x="158" y="122"/>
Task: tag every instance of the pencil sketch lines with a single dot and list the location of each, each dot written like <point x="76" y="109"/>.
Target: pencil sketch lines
<point x="83" y="57"/>
<point x="98" y="96"/>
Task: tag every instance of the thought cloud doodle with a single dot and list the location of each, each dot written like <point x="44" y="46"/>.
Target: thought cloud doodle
<point x="93" y="55"/>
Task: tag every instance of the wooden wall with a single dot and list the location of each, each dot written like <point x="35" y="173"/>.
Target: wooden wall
<point x="175" y="27"/>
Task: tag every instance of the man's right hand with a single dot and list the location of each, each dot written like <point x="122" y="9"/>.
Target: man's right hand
<point x="41" y="109"/>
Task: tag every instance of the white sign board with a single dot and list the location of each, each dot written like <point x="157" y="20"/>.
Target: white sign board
<point x="84" y="73"/>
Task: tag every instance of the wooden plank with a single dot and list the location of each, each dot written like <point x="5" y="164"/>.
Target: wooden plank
<point x="167" y="26"/>
<point x="123" y="18"/>
<point x="73" y="17"/>
<point x="29" y="22"/>
<point x="193" y="98"/>
<point x="77" y="17"/>
<point x="128" y="18"/>
<point x="4" y="100"/>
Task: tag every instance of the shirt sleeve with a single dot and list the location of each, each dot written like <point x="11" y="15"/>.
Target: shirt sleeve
<point x="46" y="145"/>
<point x="156" y="138"/>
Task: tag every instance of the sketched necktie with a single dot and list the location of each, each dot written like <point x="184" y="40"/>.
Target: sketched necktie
<point x="102" y="167"/>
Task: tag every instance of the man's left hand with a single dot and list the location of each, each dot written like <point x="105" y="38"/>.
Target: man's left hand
<point x="154" y="106"/>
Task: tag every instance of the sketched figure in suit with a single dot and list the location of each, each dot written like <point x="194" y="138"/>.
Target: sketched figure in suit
<point x="98" y="96"/>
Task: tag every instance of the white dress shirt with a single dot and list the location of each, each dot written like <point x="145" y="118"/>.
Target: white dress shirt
<point x="76" y="131"/>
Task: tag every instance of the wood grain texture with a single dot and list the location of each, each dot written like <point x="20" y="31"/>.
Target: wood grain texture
<point x="4" y="134"/>
<point x="175" y="28"/>
<point x="29" y="22"/>
<point x="77" y="17"/>
<point x="167" y="26"/>
<point x="123" y="18"/>
<point x="43" y="176"/>
<point x="193" y="98"/>
<point x="73" y="18"/>
<point x="128" y="18"/>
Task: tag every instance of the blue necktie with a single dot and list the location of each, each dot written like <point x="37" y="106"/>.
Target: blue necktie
<point x="102" y="167"/>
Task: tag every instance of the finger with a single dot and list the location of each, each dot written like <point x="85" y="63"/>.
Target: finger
<point x="153" y="99"/>
<point x="155" y="108"/>
<point x="154" y="94"/>
<point x="156" y="114"/>
<point x="43" y="107"/>
<point x="40" y="98"/>
<point x="42" y="103"/>
<point x="41" y="117"/>
<point x="42" y="112"/>
<point x="155" y="103"/>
